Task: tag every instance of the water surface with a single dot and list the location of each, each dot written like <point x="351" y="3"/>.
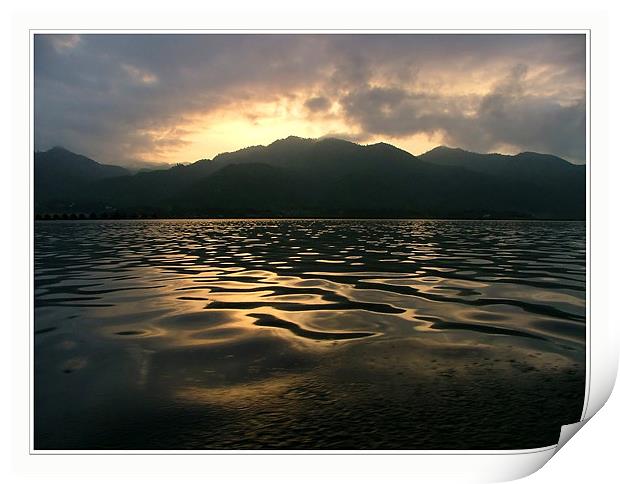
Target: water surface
<point x="307" y="334"/>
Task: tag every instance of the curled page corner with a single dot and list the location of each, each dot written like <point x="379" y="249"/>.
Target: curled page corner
<point x="567" y="432"/>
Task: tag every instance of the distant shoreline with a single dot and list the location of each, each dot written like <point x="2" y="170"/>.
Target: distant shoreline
<point x="455" y="219"/>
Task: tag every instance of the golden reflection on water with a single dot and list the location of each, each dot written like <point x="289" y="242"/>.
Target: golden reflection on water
<point x="272" y="318"/>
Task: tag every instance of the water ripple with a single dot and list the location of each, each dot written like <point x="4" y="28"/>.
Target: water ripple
<point x="226" y="329"/>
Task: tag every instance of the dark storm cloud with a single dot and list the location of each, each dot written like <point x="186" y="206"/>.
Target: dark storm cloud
<point x="127" y="97"/>
<point x="511" y="115"/>
<point x="508" y="115"/>
<point x="318" y="103"/>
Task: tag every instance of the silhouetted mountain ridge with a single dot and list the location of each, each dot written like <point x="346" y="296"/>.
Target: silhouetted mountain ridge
<point x="62" y="174"/>
<point x="524" y="166"/>
<point x="328" y="177"/>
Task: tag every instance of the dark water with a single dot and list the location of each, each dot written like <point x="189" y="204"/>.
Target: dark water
<point x="307" y="334"/>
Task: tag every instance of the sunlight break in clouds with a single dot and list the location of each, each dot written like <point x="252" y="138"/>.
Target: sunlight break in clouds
<point x="62" y="43"/>
<point x="138" y="75"/>
<point x="178" y="98"/>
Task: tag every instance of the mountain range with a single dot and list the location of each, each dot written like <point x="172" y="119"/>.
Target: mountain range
<point x="298" y="177"/>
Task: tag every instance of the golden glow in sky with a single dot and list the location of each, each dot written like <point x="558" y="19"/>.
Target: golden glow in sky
<point x="226" y="131"/>
<point x="178" y="98"/>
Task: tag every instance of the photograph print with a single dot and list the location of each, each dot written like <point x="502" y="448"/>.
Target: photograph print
<point x="307" y="241"/>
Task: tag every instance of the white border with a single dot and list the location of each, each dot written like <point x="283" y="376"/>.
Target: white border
<point x="532" y="13"/>
<point x="586" y="402"/>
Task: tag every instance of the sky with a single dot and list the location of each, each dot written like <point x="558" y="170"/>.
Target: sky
<point x="132" y="99"/>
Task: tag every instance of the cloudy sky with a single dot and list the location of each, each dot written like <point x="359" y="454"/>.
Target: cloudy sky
<point x="179" y="98"/>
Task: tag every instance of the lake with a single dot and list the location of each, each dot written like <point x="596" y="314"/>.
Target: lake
<point x="307" y="334"/>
